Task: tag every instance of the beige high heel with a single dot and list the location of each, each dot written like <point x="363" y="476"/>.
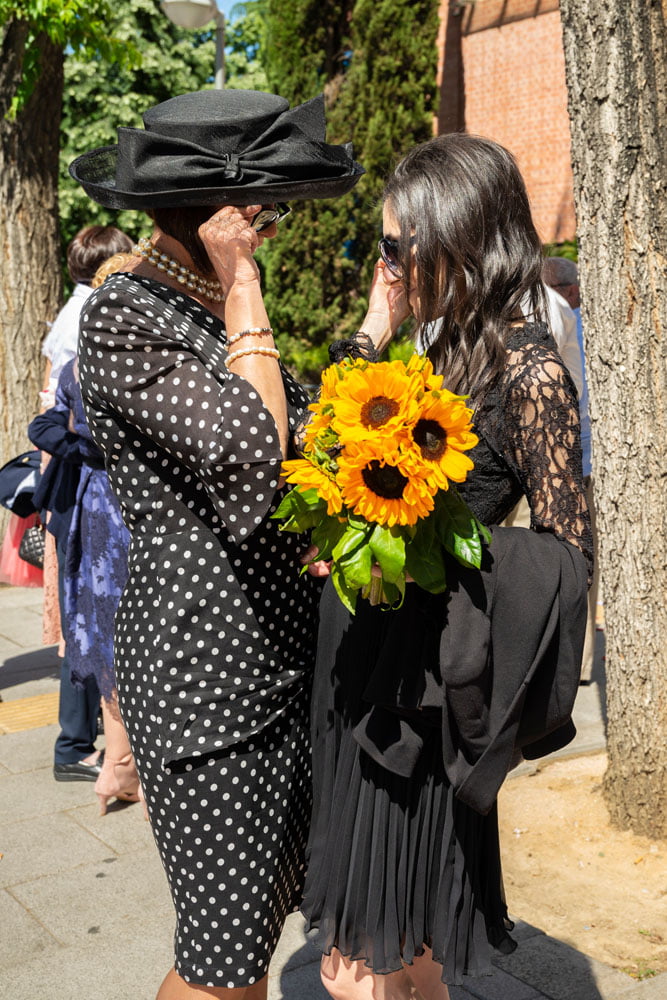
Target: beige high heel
<point x="118" y="779"/>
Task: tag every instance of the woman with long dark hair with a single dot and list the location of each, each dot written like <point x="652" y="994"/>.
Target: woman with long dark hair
<point x="419" y="712"/>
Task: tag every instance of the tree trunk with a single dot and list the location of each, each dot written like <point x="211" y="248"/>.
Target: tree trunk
<point x="31" y="285"/>
<point x="616" y="64"/>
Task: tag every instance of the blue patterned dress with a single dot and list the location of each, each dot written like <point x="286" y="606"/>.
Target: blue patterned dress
<point x="96" y="561"/>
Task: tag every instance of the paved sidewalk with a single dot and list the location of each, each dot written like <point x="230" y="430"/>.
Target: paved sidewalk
<point x="84" y="908"/>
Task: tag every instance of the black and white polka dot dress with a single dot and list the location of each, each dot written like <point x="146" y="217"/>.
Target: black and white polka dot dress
<point x="216" y="628"/>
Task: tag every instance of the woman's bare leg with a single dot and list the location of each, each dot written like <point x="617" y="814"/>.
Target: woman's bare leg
<point x="346" y="980"/>
<point x="175" y="987"/>
<point x="426" y="974"/>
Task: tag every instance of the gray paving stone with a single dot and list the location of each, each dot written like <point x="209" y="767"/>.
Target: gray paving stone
<point x="22" y="936"/>
<point x="36" y="793"/>
<point x="560" y="972"/>
<point x="302" y="983"/>
<point x="123" y="829"/>
<point x="294" y="948"/>
<point x="102" y="898"/>
<point x="20" y="597"/>
<point x="48" y="845"/>
<point x="501" y="986"/>
<point x="129" y="965"/>
<point x="27" y="672"/>
<point x="22" y="626"/>
<point x="649" y="989"/>
<point x="29" y="750"/>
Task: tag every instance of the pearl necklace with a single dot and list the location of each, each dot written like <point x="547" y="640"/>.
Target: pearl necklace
<point x="193" y="282"/>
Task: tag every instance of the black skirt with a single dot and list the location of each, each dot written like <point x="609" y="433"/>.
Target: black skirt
<point x="395" y="863"/>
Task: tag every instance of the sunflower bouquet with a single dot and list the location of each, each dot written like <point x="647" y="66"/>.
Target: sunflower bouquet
<point x="383" y="446"/>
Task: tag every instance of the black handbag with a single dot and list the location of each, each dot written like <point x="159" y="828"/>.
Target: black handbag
<point x="31" y="547"/>
<point x="18" y="479"/>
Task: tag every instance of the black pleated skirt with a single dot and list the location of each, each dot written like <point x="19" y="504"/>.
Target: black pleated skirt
<point x="395" y="863"/>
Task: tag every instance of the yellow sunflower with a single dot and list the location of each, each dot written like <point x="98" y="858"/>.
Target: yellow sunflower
<point x="305" y="474"/>
<point x="383" y="487"/>
<point x="379" y="400"/>
<point x="420" y="363"/>
<point x="440" y="437"/>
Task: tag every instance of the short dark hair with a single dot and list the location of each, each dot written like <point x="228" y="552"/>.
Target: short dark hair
<point x="461" y="201"/>
<point x="182" y="224"/>
<point x="91" y="246"/>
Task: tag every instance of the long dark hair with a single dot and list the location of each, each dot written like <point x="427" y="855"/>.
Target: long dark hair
<point x="461" y="201"/>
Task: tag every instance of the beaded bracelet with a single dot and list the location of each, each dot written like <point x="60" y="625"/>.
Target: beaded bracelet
<point x="269" y="352"/>
<point x="257" y="330"/>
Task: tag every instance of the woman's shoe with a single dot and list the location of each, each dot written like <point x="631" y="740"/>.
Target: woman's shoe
<point x="118" y="779"/>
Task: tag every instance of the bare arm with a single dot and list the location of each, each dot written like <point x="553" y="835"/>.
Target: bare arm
<point x="231" y="242"/>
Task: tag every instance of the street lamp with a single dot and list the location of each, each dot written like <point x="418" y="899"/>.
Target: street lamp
<point x="195" y="14"/>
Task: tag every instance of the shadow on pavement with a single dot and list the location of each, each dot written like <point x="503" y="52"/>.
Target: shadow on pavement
<point x="32" y="666"/>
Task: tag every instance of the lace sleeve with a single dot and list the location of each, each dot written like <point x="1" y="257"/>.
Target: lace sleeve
<point x="541" y="425"/>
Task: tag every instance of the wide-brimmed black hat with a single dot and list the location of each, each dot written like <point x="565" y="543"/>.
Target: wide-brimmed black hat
<point x="216" y="147"/>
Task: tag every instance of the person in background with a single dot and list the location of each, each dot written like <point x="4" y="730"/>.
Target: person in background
<point x="91" y="246"/>
<point x="562" y="276"/>
<point x="75" y="755"/>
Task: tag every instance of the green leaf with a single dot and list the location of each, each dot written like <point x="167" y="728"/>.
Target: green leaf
<point x="326" y="536"/>
<point x="347" y="594"/>
<point x="425" y="558"/>
<point x="356" y="568"/>
<point x="388" y="548"/>
<point x="303" y="510"/>
<point x="458" y="529"/>
<point x="394" y="593"/>
<point x="351" y="539"/>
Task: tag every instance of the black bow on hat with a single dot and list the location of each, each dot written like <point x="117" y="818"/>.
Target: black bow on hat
<point x="216" y="147"/>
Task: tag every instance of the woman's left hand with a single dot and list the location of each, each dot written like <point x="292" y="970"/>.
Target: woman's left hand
<point x="230" y="241"/>
<point x="318" y="568"/>
<point x="388" y="306"/>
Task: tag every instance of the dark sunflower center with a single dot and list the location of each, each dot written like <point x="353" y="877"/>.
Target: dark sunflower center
<point x="378" y="410"/>
<point x="384" y="480"/>
<point x="431" y="439"/>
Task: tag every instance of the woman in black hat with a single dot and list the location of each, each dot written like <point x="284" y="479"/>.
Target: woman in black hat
<point x="185" y="396"/>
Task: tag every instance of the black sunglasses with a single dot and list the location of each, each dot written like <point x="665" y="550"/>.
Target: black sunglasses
<point x="267" y="216"/>
<point x="389" y="253"/>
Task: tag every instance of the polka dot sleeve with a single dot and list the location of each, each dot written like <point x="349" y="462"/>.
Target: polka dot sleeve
<point x="152" y="364"/>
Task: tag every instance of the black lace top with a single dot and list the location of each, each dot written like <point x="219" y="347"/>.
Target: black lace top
<point x="528" y="424"/>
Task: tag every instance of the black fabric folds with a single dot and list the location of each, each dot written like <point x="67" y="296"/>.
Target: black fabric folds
<point x="394" y="862"/>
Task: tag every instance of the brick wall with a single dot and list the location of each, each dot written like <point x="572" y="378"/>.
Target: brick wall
<point x="502" y="75"/>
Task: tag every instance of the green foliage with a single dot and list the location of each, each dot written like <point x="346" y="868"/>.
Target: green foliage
<point x="243" y="37"/>
<point x="98" y="97"/>
<point x="375" y="61"/>
<point x="82" y="26"/>
<point x="569" y="249"/>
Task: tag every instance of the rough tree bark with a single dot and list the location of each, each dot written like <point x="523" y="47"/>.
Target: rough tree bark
<point x="616" y="65"/>
<point x="31" y="283"/>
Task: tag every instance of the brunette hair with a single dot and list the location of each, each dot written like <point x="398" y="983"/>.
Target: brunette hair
<point x="461" y="201"/>
<point x="91" y="247"/>
<point x="183" y="224"/>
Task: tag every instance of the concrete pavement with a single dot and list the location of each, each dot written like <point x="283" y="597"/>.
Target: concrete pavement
<point x="84" y="907"/>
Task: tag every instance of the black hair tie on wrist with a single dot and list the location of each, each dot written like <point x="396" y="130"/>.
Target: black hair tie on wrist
<point x="359" y="345"/>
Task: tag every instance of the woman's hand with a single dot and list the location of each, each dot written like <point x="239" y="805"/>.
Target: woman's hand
<point x="318" y="568"/>
<point x="230" y="242"/>
<point x="387" y="306"/>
